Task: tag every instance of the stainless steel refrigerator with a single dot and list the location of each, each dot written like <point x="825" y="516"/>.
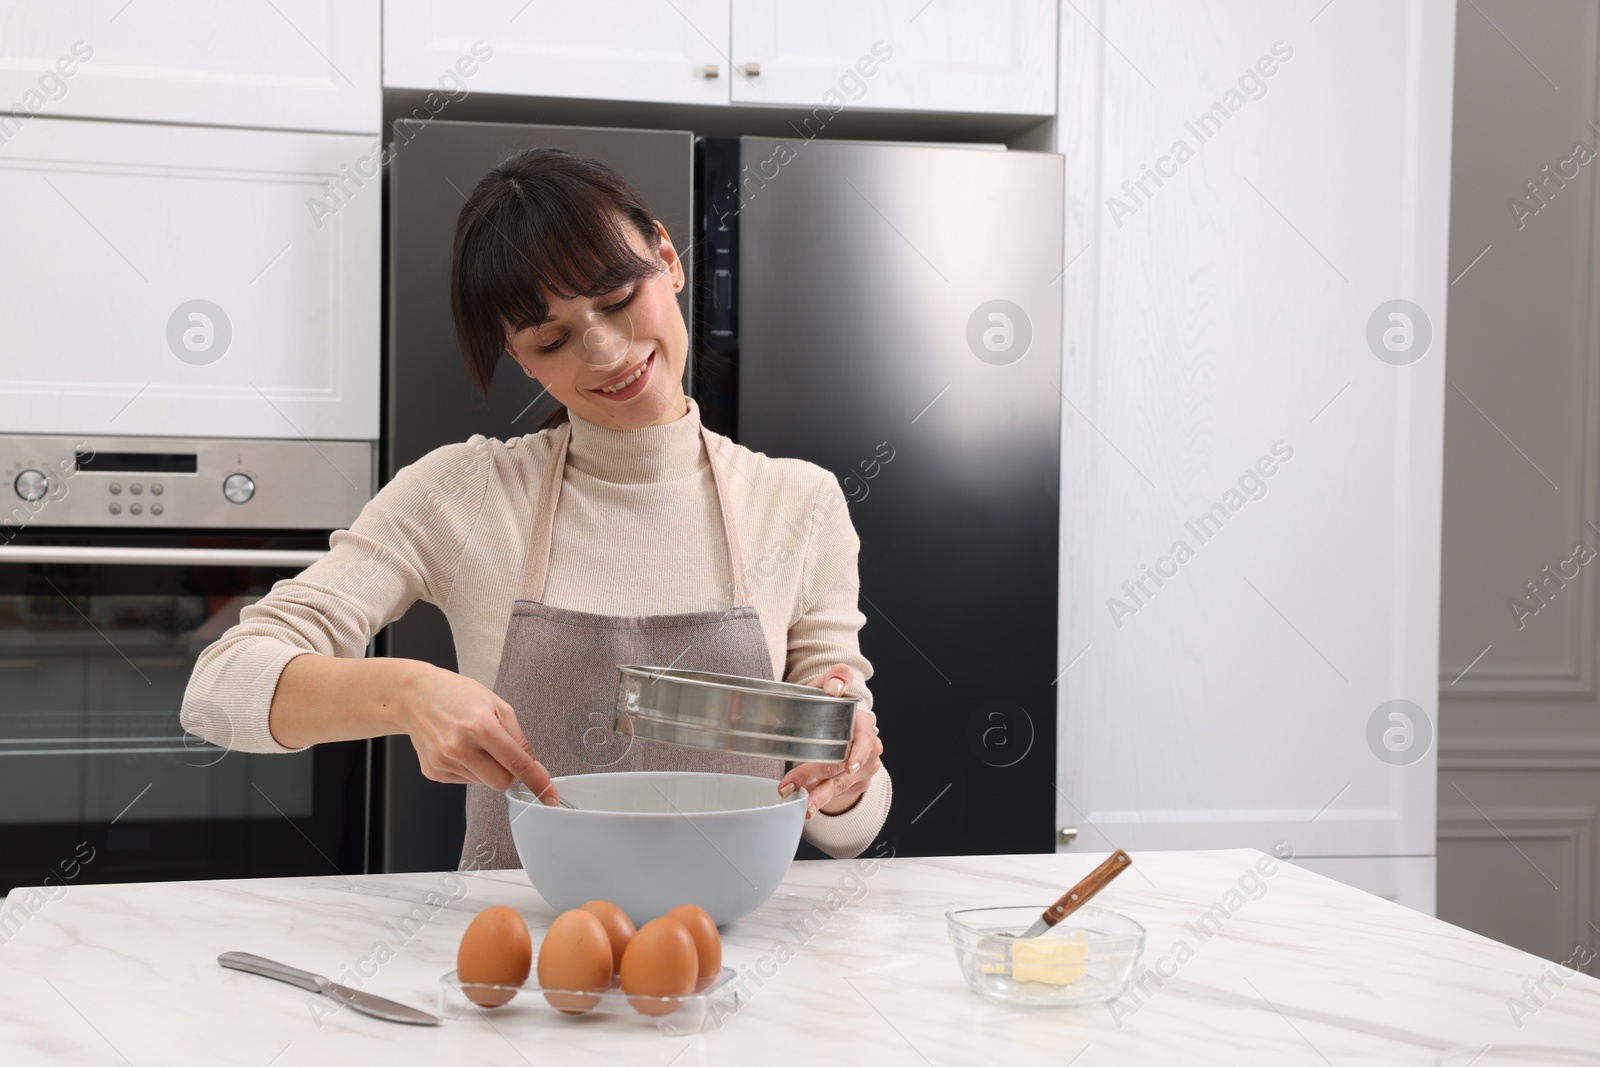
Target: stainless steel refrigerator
<point x="889" y="311"/>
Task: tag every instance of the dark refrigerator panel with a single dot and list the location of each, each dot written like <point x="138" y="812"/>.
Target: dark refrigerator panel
<point x="899" y="323"/>
<point x="432" y="401"/>
<point x="715" y="342"/>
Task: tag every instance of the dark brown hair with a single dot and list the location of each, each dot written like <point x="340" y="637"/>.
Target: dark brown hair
<point x="544" y="221"/>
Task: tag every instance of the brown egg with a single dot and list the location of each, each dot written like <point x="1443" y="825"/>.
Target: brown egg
<point x="495" y="950"/>
<point x="575" y="954"/>
<point x="707" y="942"/>
<point x="619" y="928"/>
<point x="659" y="962"/>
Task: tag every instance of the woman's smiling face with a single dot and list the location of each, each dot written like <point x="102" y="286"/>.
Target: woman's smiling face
<point x="616" y="359"/>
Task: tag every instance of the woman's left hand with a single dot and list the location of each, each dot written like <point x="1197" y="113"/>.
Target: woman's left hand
<point x="836" y="787"/>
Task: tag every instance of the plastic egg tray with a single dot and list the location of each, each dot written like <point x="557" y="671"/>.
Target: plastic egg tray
<point x="713" y="1000"/>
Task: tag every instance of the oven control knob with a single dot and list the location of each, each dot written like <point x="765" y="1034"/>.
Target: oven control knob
<point x="238" y="488"/>
<point x="31" y="485"/>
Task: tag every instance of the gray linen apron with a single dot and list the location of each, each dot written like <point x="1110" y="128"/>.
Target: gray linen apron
<point x="558" y="669"/>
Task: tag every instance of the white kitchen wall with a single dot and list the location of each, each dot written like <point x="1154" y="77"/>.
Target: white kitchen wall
<point x="1218" y="362"/>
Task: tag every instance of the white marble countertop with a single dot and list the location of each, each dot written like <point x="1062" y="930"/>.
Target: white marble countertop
<point x="1304" y="970"/>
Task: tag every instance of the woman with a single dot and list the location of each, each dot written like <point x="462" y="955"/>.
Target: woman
<point x="617" y="535"/>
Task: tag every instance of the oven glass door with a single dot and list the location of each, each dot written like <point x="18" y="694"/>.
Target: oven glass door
<point x="98" y="780"/>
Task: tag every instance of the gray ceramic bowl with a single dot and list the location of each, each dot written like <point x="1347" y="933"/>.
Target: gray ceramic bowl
<point x="650" y="840"/>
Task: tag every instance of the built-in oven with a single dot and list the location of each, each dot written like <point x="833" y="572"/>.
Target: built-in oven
<point x="121" y="559"/>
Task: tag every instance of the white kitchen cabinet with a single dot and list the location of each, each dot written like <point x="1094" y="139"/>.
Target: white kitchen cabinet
<point x="883" y="55"/>
<point x="185" y="280"/>
<point x="896" y="55"/>
<point x="601" y="49"/>
<point x="1238" y="385"/>
<point x="288" y="64"/>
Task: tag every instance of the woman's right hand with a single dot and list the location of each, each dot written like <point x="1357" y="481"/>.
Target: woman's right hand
<point x="464" y="733"/>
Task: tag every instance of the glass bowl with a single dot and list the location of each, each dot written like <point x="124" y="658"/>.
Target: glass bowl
<point x="1087" y="958"/>
<point x="713" y="1000"/>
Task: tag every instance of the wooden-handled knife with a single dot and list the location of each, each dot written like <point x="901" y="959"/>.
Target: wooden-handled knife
<point x="1079" y="895"/>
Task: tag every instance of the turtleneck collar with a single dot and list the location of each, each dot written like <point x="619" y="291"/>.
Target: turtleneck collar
<point x="651" y="454"/>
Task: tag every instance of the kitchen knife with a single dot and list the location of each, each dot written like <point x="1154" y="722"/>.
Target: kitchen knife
<point x="315" y="983"/>
<point x="1079" y="895"/>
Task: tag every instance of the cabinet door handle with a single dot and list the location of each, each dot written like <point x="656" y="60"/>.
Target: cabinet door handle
<point x="1067" y="834"/>
<point x="710" y="70"/>
<point x="752" y="70"/>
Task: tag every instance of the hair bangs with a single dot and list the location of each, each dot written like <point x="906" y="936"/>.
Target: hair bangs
<point x="544" y="223"/>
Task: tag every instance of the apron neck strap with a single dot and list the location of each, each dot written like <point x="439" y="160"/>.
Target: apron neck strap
<point x="536" y="568"/>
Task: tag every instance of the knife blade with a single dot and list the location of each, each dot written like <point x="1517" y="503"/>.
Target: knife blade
<point x="366" y="1003"/>
<point x="379" y="1007"/>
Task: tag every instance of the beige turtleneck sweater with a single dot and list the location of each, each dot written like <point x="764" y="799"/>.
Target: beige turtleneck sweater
<point x="637" y="532"/>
